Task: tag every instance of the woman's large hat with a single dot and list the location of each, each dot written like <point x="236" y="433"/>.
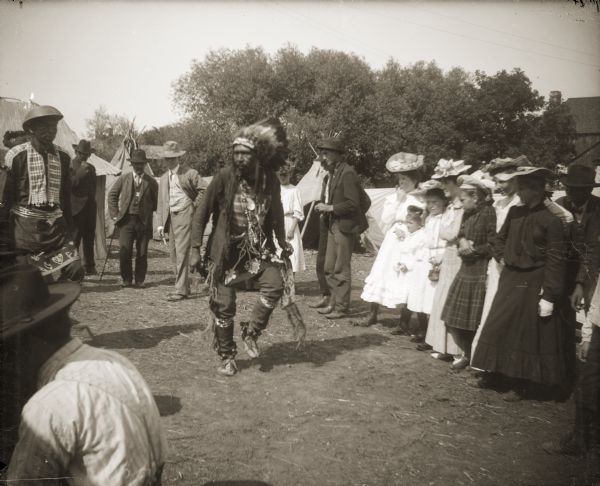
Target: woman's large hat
<point x="580" y="175"/>
<point x="404" y="162"/>
<point x="449" y="168"/>
<point x="471" y="182"/>
<point x="171" y="150"/>
<point x="27" y="300"/>
<point x="499" y="165"/>
<point x="38" y="112"/>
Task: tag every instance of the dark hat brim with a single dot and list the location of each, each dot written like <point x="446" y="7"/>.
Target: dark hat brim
<point x="76" y="148"/>
<point x="565" y="182"/>
<point x="62" y="295"/>
<point x="27" y="123"/>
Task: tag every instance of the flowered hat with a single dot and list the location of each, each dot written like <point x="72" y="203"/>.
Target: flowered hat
<point x="471" y="182"/>
<point x="449" y="168"/>
<point x="404" y="162"/>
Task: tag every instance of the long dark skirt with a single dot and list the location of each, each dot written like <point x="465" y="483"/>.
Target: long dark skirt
<point x="518" y="343"/>
<point x="464" y="304"/>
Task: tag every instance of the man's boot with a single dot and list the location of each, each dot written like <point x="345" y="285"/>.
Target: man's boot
<point x="225" y="346"/>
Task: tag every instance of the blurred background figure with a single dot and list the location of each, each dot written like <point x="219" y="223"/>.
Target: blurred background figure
<point x="83" y="203"/>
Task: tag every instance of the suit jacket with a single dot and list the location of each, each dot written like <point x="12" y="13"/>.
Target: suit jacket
<point x="344" y="195"/>
<point x="191" y="183"/>
<point x="83" y="187"/>
<point x="121" y="194"/>
<point x="584" y="242"/>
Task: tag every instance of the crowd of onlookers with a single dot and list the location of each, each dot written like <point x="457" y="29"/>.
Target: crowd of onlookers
<point x="491" y="267"/>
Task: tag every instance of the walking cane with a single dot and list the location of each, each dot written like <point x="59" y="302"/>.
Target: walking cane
<point x="112" y="237"/>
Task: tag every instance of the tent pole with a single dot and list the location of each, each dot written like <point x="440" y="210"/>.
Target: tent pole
<point x="312" y="205"/>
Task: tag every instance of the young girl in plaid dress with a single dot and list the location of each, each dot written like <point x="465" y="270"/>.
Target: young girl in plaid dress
<point x="464" y="304"/>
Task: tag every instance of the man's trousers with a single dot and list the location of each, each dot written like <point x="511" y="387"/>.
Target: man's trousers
<point x="323" y="231"/>
<point x="223" y="306"/>
<point x="85" y="230"/>
<point x="132" y="230"/>
<point x="180" y="233"/>
<point x="337" y="266"/>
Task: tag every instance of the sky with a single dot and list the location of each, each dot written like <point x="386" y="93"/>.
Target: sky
<point x="126" y="55"/>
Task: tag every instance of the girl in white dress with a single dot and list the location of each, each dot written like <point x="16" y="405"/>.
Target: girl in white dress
<point x="421" y="294"/>
<point x="378" y="290"/>
<point x="293" y="214"/>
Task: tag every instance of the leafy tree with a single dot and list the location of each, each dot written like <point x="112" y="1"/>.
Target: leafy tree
<point x="106" y="131"/>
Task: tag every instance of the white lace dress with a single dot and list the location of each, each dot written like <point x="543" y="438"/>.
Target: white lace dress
<point x="382" y="285"/>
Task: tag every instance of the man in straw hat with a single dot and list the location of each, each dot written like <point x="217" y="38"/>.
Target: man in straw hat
<point x="131" y="202"/>
<point x="345" y="206"/>
<point x="83" y="203"/>
<point x="38" y="195"/>
<point x="92" y="418"/>
<point x="180" y="192"/>
<point x="244" y="202"/>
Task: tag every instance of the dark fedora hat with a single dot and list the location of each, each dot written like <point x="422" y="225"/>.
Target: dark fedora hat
<point x="38" y="112"/>
<point x="580" y="175"/>
<point x="27" y="300"/>
<point x="138" y="156"/>
<point x="333" y="144"/>
<point x="84" y="147"/>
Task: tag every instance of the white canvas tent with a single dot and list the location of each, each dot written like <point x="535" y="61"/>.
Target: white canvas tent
<point x="12" y="113"/>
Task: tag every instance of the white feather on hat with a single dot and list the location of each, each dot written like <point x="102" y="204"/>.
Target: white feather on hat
<point x="449" y="168"/>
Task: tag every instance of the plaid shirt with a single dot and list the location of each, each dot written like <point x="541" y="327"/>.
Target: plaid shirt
<point x="43" y="191"/>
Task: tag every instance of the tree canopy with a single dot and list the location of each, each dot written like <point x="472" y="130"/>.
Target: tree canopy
<point x="417" y="108"/>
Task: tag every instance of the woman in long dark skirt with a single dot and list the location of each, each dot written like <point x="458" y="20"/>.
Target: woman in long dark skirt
<point x="464" y="304"/>
<point x="524" y="334"/>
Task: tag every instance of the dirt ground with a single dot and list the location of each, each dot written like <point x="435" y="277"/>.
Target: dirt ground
<point x="356" y="407"/>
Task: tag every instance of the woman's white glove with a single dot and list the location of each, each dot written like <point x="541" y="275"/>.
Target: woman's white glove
<point x="545" y="308"/>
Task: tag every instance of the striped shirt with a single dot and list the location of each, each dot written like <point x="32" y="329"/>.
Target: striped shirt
<point x="92" y="421"/>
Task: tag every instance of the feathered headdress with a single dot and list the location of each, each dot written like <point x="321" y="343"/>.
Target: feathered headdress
<point x="268" y="140"/>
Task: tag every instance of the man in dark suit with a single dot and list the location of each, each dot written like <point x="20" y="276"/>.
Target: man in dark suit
<point x="345" y="220"/>
<point x="131" y="202"/>
<point x="83" y="203"/>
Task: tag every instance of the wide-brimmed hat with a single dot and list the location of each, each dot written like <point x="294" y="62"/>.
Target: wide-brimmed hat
<point x="470" y="182"/>
<point x="449" y="168"/>
<point x="170" y="150"/>
<point x="541" y="172"/>
<point x="27" y="300"/>
<point x="333" y="144"/>
<point x="404" y="162"/>
<point x="38" y="112"/>
<point x="500" y="165"/>
<point x="83" y="147"/>
<point x="580" y="175"/>
<point x="138" y="156"/>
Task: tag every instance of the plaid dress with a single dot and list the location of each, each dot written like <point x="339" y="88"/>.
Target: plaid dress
<point x="464" y="304"/>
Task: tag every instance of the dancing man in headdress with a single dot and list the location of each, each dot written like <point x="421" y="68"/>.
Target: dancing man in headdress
<point x="38" y="195"/>
<point x="244" y="200"/>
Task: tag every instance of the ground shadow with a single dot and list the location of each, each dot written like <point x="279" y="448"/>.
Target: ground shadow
<point x="244" y="482"/>
<point x="316" y="352"/>
<point x="140" y="338"/>
<point x="167" y="404"/>
<point x="102" y="288"/>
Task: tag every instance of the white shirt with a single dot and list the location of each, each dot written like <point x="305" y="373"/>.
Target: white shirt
<point x="93" y="421"/>
<point x="178" y="199"/>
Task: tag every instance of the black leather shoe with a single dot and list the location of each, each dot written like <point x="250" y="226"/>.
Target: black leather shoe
<point x="321" y="303"/>
<point x="326" y="310"/>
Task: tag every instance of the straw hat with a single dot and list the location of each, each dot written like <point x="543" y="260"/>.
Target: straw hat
<point x="170" y="150"/>
<point x="449" y="168"/>
<point x="404" y="162"/>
